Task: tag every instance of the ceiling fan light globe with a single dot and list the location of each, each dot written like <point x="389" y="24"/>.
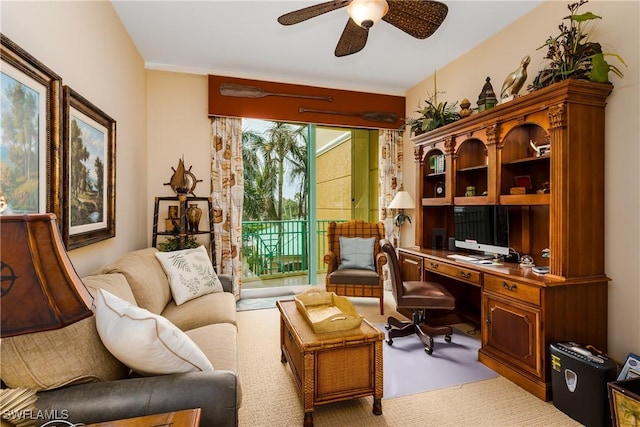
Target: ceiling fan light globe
<point x="367" y="13"/>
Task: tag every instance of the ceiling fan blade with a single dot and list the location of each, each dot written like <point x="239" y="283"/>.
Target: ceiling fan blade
<point x="352" y="40"/>
<point x="419" y="19"/>
<point x="311" y="12"/>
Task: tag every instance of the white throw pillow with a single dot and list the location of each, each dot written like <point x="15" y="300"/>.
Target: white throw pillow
<point x="190" y="273"/>
<point x="145" y="342"/>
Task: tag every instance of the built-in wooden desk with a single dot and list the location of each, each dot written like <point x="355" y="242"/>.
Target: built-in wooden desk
<point x="519" y="312"/>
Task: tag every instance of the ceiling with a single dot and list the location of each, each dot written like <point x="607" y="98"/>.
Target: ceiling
<point x="243" y="39"/>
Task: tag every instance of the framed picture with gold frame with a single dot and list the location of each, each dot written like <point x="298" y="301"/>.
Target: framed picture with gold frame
<point x="31" y="96"/>
<point x="89" y="196"/>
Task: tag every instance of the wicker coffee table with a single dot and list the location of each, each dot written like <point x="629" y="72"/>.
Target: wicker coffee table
<point x="333" y="366"/>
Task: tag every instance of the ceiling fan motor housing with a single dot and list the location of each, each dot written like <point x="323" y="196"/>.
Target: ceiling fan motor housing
<point x="366" y="13"/>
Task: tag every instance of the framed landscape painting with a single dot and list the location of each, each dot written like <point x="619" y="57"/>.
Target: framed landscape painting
<point x="30" y="135"/>
<point x="89" y="141"/>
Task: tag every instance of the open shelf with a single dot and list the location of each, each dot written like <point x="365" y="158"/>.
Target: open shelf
<point x="471" y="200"/>
<point x="434" y="201"/>
<point x="472" y="169"/>
<point x="546" y="157"/>
<point x="525" y="199"/>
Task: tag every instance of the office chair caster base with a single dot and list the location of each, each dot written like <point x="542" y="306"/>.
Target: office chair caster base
<point x="392" y="322"/>
<point x="389" y="341"/>
<point x="428" y="346"/>
<point x="447" y="338"/>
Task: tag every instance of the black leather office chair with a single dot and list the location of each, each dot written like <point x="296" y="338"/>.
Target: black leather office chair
<point x="417" y="296"/>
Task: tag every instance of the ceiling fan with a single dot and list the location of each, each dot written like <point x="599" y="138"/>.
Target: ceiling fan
<point x="418" y="18"/>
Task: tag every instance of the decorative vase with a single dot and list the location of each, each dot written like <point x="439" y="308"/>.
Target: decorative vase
<point x="194" y="213"/>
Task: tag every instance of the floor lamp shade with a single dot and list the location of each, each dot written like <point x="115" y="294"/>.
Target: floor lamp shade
<point x="40" y="288"/>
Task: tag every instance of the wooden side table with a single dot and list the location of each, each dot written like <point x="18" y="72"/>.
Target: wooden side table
<point x="185" y="418"/>
<point x="334" y="366"/>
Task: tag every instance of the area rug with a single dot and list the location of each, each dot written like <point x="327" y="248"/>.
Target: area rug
<point x="408" y="369"/>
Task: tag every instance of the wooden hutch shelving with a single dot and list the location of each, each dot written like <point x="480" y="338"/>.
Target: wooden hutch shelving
<point x="520" y="312"/>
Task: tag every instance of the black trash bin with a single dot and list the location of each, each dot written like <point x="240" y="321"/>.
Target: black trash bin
<point x="579" y="380"/>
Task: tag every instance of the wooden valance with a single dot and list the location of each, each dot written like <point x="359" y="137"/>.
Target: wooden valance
<point x="259" y="99"/>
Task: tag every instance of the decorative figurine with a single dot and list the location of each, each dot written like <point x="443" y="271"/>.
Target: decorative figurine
<point x="534" y="147"/>
<point x="465" y="108"/>
<point x="514" y="81"/>
<point x="487" y="98"/>
<point x="183" y="182"/>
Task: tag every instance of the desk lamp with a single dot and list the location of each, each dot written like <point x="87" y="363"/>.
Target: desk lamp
<point x="40" y="289"/>
<point x="402" y="201"/>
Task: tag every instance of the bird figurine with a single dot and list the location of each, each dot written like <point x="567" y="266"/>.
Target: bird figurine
<point x="514" y="81"/>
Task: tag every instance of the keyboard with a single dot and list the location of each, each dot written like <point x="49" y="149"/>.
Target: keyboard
<point x="462" y="257"/>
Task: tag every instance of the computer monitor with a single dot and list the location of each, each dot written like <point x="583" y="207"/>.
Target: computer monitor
<point x="482" y="228"/>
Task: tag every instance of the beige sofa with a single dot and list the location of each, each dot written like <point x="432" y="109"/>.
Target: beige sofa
<point x="79" y="379"/>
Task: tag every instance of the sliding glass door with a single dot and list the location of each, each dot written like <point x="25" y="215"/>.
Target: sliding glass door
<point x="298" y="178"/>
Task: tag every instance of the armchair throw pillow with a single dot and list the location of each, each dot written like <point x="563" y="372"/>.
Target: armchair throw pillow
<point x="145" y="342"/>
<point x="356" y="252"/>
<point x="190" y="273"/>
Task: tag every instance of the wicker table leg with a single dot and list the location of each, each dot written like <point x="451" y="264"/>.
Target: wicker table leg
<point x="308" y="388"/>
<point x="308" y="419"/>
<point x="379" y="385"/>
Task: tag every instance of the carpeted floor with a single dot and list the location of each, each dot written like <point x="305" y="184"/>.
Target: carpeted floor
<point x="270" y="397"/>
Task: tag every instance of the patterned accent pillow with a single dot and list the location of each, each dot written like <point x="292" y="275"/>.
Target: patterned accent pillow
<point x="356" y="252"/>
<point x="146" y="342"/>
<point x="190" y="273"/>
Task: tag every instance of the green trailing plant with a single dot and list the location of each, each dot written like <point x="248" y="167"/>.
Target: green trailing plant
<point x="572" y="54"/>
<point x="433" y="115"/>
<point x="173" y="244"/>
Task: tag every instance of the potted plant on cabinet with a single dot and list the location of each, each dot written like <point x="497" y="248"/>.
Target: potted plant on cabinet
<point x="573" y="55"/>
<point x="433" y="115"/>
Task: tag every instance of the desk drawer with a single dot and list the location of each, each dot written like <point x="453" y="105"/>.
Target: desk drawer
<point x="454" y="271"/>
<point x="512" y="289"/>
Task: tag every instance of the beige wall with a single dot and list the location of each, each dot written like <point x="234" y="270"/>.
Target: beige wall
<point x="178" y="127"/>
<point x="498" y="56"/>
<point x="85" y="44"/>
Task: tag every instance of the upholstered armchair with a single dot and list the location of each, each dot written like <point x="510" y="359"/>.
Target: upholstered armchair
<point x="351" y="271"/>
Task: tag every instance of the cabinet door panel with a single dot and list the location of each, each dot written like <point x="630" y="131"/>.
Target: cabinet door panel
<point x="512" y="330"/>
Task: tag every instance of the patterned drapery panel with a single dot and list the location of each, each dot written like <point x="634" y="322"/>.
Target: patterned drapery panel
<point x="227" y="192"/>
<point x="389" y="181"/>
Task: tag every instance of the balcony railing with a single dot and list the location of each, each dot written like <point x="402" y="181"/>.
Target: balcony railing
<point x="279" y="248"/>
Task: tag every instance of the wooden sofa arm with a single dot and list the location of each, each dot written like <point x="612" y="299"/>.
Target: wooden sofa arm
<point x="381" y="259"/>
<point x="331" y="259"/>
